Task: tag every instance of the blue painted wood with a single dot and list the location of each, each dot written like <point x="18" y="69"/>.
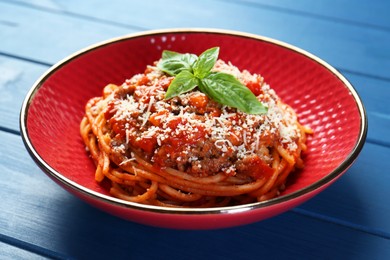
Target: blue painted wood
<point x="48" y="37"/>
<point x="16" y="78"/>
<point x="12" y="252"/>
<point x="365" y="13"/>
<point x="375" y="94"/>
<point x="349" y="220"/>
<point x="363" y="190"/>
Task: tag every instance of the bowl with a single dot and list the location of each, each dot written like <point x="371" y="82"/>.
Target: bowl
<point x="323" y="99"/>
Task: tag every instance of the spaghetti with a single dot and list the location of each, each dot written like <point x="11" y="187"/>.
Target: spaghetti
<point x="190" y="151"/>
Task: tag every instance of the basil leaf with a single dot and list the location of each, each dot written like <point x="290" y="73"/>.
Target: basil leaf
<point x="227" y="90"/>
<point x="185" y="81"/>
<point x="191" y="71"/>
<point x="173" y="63"/>
<point x="205" y="62"/>
<point x="166" y="55"/>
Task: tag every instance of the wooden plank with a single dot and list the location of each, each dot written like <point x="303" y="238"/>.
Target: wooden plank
<point x="375" y="95"/>
<point x="373" y="13"/>
<point x="361" y="195"/>
<point x="365" y="13"/>
<point x="347" y="46"/>
<point x="16" y="78"/>
<point x="49" y="37"/>
<point x="10" y="252"/>
<point x="26" y="191"/>
<point x="378" y="128"/>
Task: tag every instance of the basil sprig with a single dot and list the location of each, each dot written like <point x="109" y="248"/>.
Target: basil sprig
<point x="191" y="71"/>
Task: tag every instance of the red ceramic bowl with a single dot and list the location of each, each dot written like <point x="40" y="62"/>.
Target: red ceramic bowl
<point x="323" y="98"/>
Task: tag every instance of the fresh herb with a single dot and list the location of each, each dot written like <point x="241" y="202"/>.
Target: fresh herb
<point x="191" y="71"/>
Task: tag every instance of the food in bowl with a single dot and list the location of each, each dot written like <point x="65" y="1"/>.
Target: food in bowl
<point x="321" y="97"/>
<point x="193" y="132"/>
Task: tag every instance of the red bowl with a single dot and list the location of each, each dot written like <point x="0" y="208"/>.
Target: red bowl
<point x="322" y="97"/>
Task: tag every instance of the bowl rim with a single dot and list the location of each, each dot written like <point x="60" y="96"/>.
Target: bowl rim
<point x="74" y="186"/>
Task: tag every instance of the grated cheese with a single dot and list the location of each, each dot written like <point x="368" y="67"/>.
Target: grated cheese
<point x="257" y="130"/>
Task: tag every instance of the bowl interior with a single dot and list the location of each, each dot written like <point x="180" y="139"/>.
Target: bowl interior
<point x="318" y="95"/>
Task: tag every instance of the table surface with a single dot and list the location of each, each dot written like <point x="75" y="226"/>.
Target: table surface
<point x="349" y="220"/>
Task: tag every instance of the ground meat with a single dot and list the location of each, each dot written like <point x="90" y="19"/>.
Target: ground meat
<point x="199" y="159"/>
<point x="252" y="165"/>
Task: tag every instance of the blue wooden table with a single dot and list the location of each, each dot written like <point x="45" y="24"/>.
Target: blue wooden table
<point x="349" y="220"/>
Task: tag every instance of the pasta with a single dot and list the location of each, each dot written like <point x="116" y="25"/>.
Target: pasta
<point x="190" y="151"/>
